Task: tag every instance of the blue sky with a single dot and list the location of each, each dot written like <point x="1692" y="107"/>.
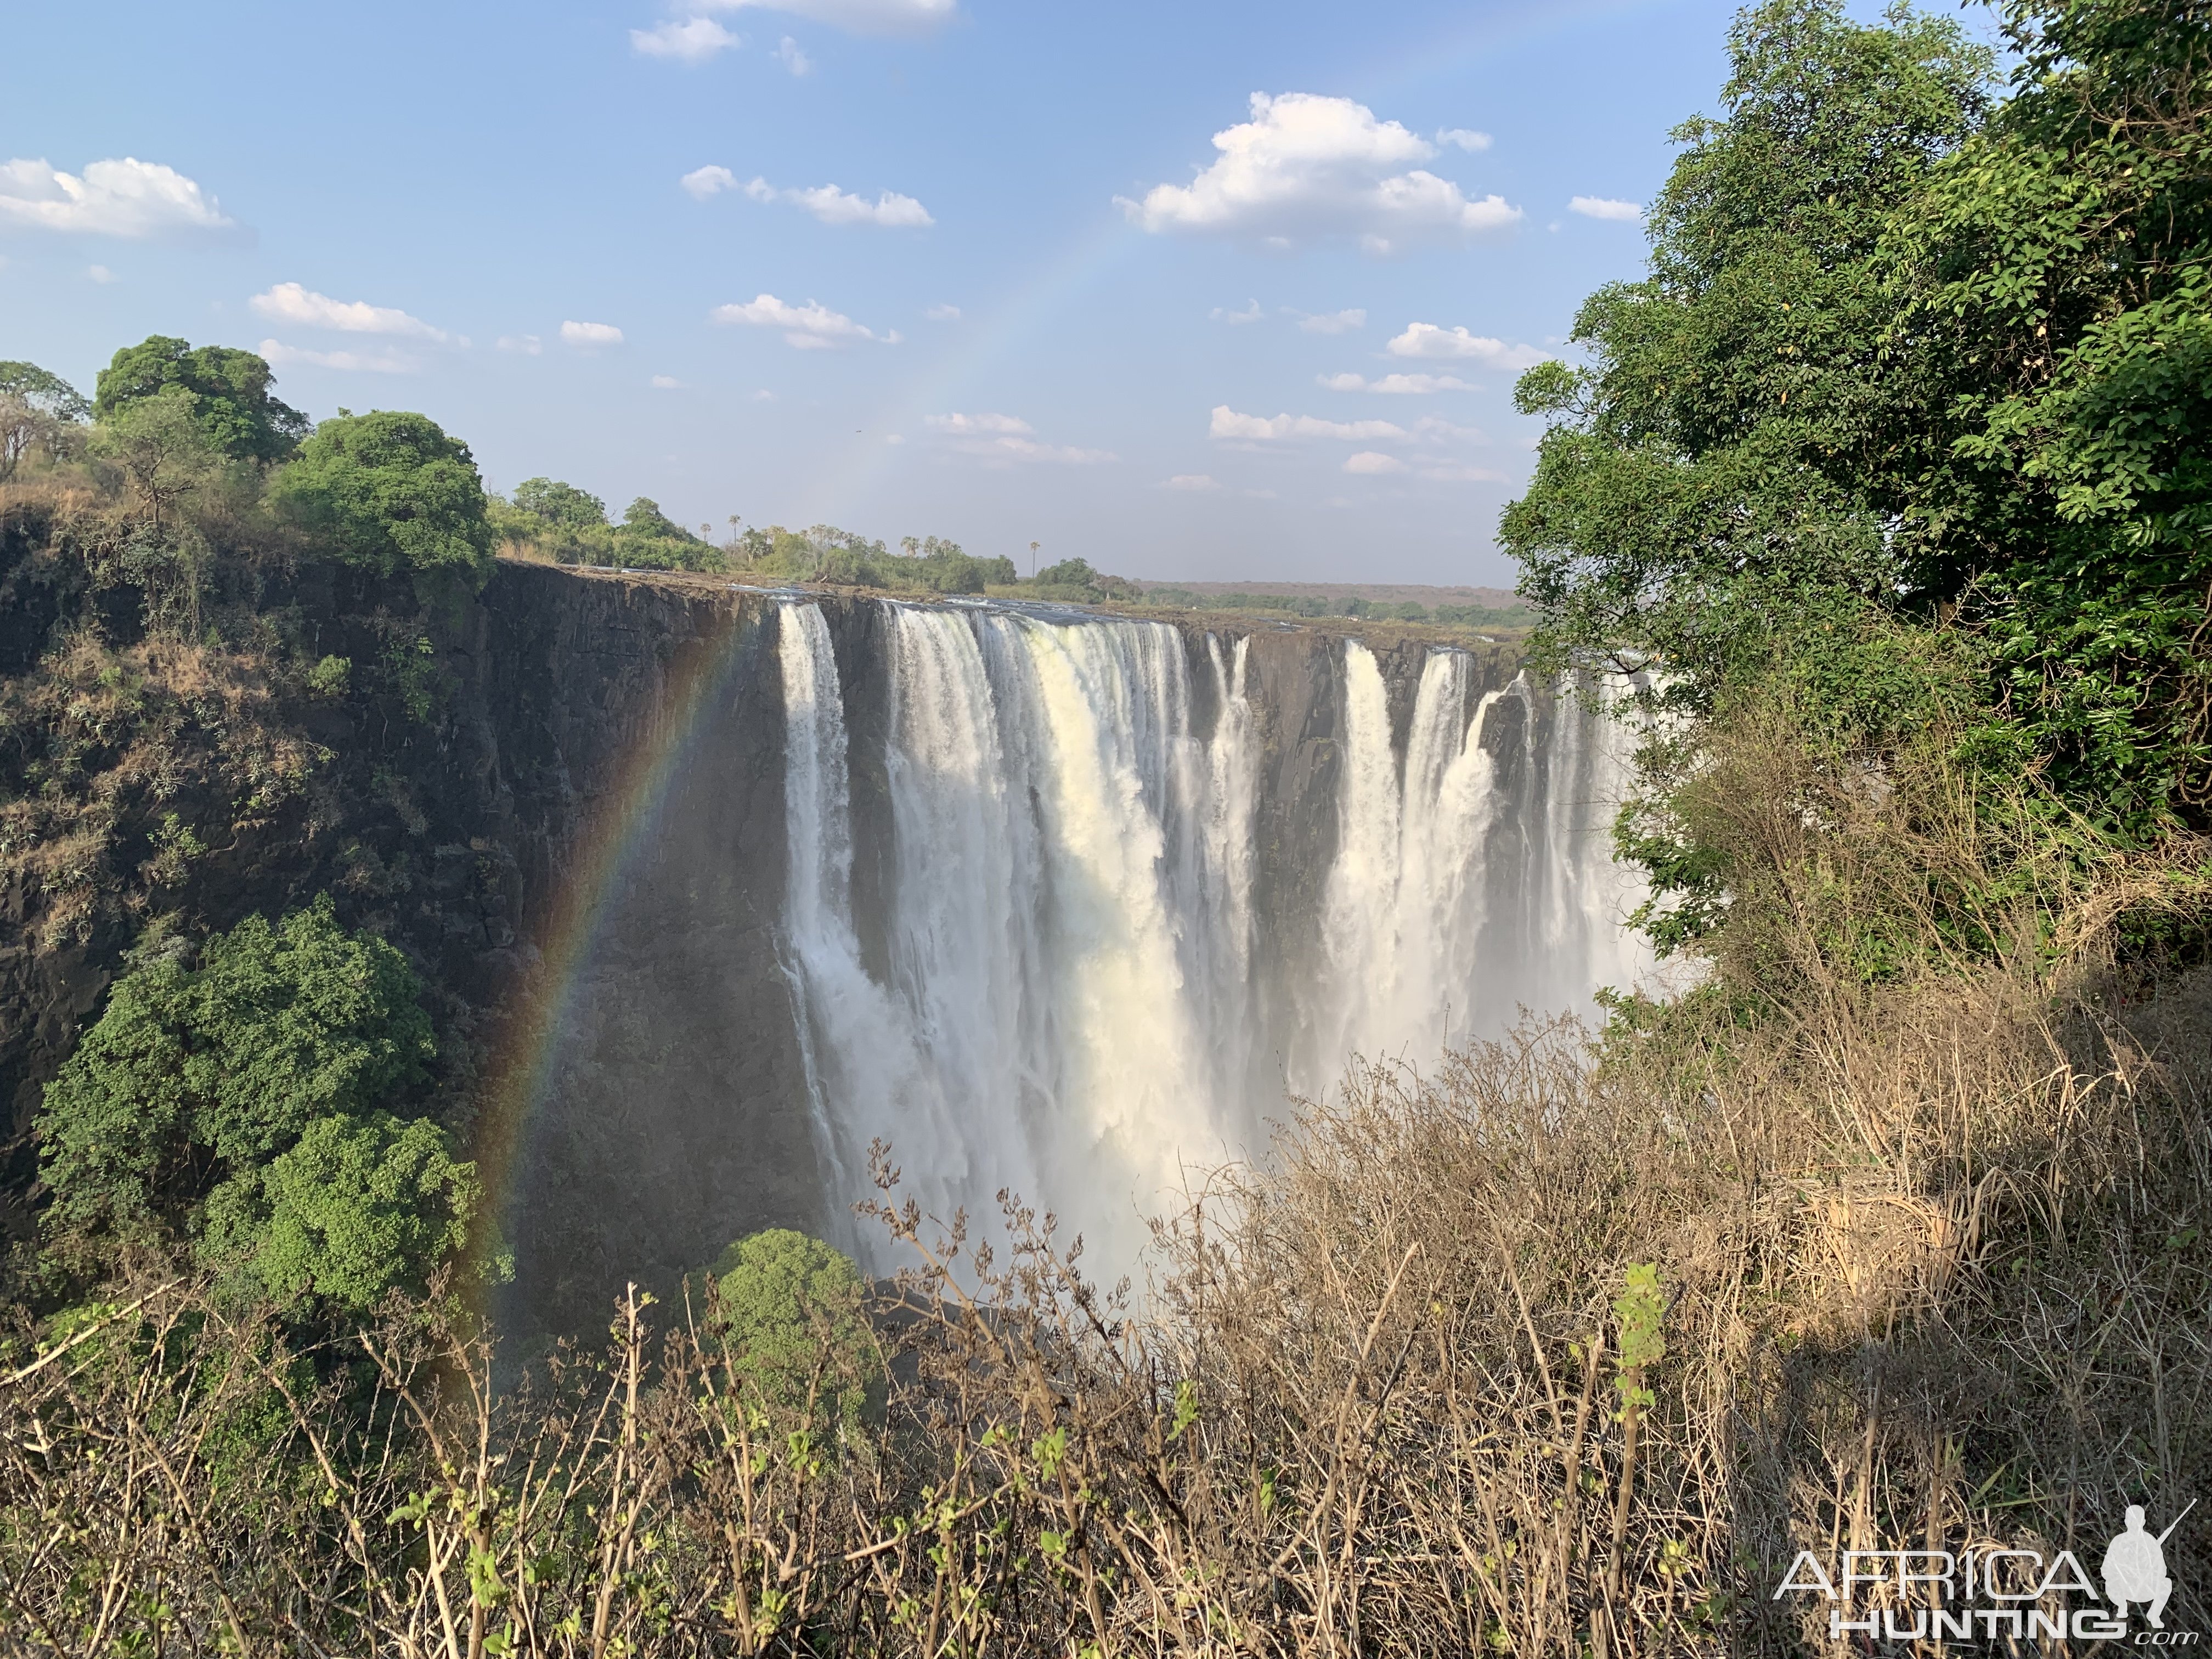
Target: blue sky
<point x="1041" y="303"/>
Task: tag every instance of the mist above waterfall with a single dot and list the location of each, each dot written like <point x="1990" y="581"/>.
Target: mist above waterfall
<point x="1073" y="979"/>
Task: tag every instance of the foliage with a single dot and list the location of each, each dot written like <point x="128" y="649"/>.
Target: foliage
<point x="827" y="554"/>
<point x="392" y="493"/>
<point x="790" y="1307"/>
<point x="1640" y="1343"/>
<point x="356" y="1208"/>
<point x="234" y="406"/>
<point x="561" y="504"/>
<point x="196" y="1073"/>
<point x="1739" y="438"/>
<point x="161" y="443"/>
<point x="43" y="391"/>
<point x="2060" y="266"/>
<point x="1905" y="428"/>
<point x="37" y="410"/>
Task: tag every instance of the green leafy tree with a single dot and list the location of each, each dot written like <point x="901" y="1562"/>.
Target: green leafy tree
<point x="44" y="390"/>
<point x="649" y="540"/>
<point x="561" y="504"/>
<point x="241" y="418"/>
<point x="2060" y="266"/>
<point x="392" y="493"/>
<point x="1068" y="572"/>
<point x="1744" y="432"/>
<point x="198" y="1072"/>
<point x="792" y="1309"/>
<point x="356" y="1208"/>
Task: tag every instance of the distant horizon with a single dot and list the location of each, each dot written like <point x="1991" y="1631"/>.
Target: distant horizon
<point x="1246" y="287"/>
<point x="1495" y="599"/>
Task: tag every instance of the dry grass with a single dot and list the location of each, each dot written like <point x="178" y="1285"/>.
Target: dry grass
<point x="1932" y="1276"/>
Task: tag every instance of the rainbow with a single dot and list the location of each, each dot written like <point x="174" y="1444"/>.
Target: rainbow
<point x="539" y="1011"/>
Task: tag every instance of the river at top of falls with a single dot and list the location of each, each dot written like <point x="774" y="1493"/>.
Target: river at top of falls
<point x="1067" y="1002"/>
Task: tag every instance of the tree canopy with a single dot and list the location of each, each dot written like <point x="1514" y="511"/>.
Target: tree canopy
<point x="392" y="493"/>
<point x="242" y="418"/>
<point x="791" y="1310"/>
<point x="197" y="1072"/>
<point x="560" y="504"/>
<point x="1908" y="355"/>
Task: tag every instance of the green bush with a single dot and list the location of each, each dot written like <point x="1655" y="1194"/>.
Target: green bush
<point x="792" y="1312"/>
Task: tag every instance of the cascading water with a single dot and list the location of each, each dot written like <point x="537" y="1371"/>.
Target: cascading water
<point x="1061" y="990"/>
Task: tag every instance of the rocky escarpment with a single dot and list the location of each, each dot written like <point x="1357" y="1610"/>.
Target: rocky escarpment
<point x="579" y="839"/>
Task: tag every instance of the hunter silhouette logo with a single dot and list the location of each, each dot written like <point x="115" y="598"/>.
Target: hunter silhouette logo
<point x="2135" y="1567"/>
<point x="2010" y="1595"/>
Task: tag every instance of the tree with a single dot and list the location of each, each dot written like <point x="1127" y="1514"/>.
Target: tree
<point x="36" y="409"/>
<point x="1068" y="572"/>
<point x="162" y="445"/>
<point x="2060" y="264"/>
<point x="46" y="393"/>
<point x="356" y="1208"/>
<point x="792" y="1309"/>
<point x="561" y="504"/>
<point x="1741" y="451"/>
<point x="236" y="410"/>
<point x="392" y="493"/>
<point x="195" y="1074"/>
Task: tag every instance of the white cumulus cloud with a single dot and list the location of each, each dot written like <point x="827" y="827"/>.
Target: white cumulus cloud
<point x="1374" y="461"/>
<point x="833" y="206"/>
<point x="969" y="426"/>
<point x="1332" y="322"/>
<point x="528" y="344"/>
<point x="1197" y="482"/>
<point x="589" y="336"/>
<point x="943" y="313"/>
<point x="386" y="361"/>
<point x="1228" y="423"/>
<point x="1007" y="440"/>
<point x="1466" y="138"/>
<point x="792" y="58"/>
<point x="1306" y="168"/>
<point x="1427" y="340"/>
<point x="811" y="327"/>
<point x="1600" y="207"/>
<point x="289" y="302"/>
<point x="129" y="197"/>
<point x="693" y="41"/>
<point x="1249" y="312"/>
<point x="667" y="383"/>
<point x="703" y="182"/>
<point x="859" y="16"/>
<point x="1417" y="386"/>
<point x="100" y="273"/>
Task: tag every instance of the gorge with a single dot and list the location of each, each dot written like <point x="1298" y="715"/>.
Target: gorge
<point x="1051" y="901"/>
<point x="716" y="885"/>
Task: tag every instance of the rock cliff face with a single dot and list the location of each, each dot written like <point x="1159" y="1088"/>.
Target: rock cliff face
<point x="631" y="762"/>
<point x="590" y="867"/>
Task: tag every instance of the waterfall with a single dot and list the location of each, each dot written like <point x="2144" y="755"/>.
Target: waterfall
<point x="1058" y="989"/>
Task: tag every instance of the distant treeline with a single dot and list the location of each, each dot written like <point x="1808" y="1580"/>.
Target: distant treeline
<point x="550" y="519"/>
<point x="1313" y="604"/>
